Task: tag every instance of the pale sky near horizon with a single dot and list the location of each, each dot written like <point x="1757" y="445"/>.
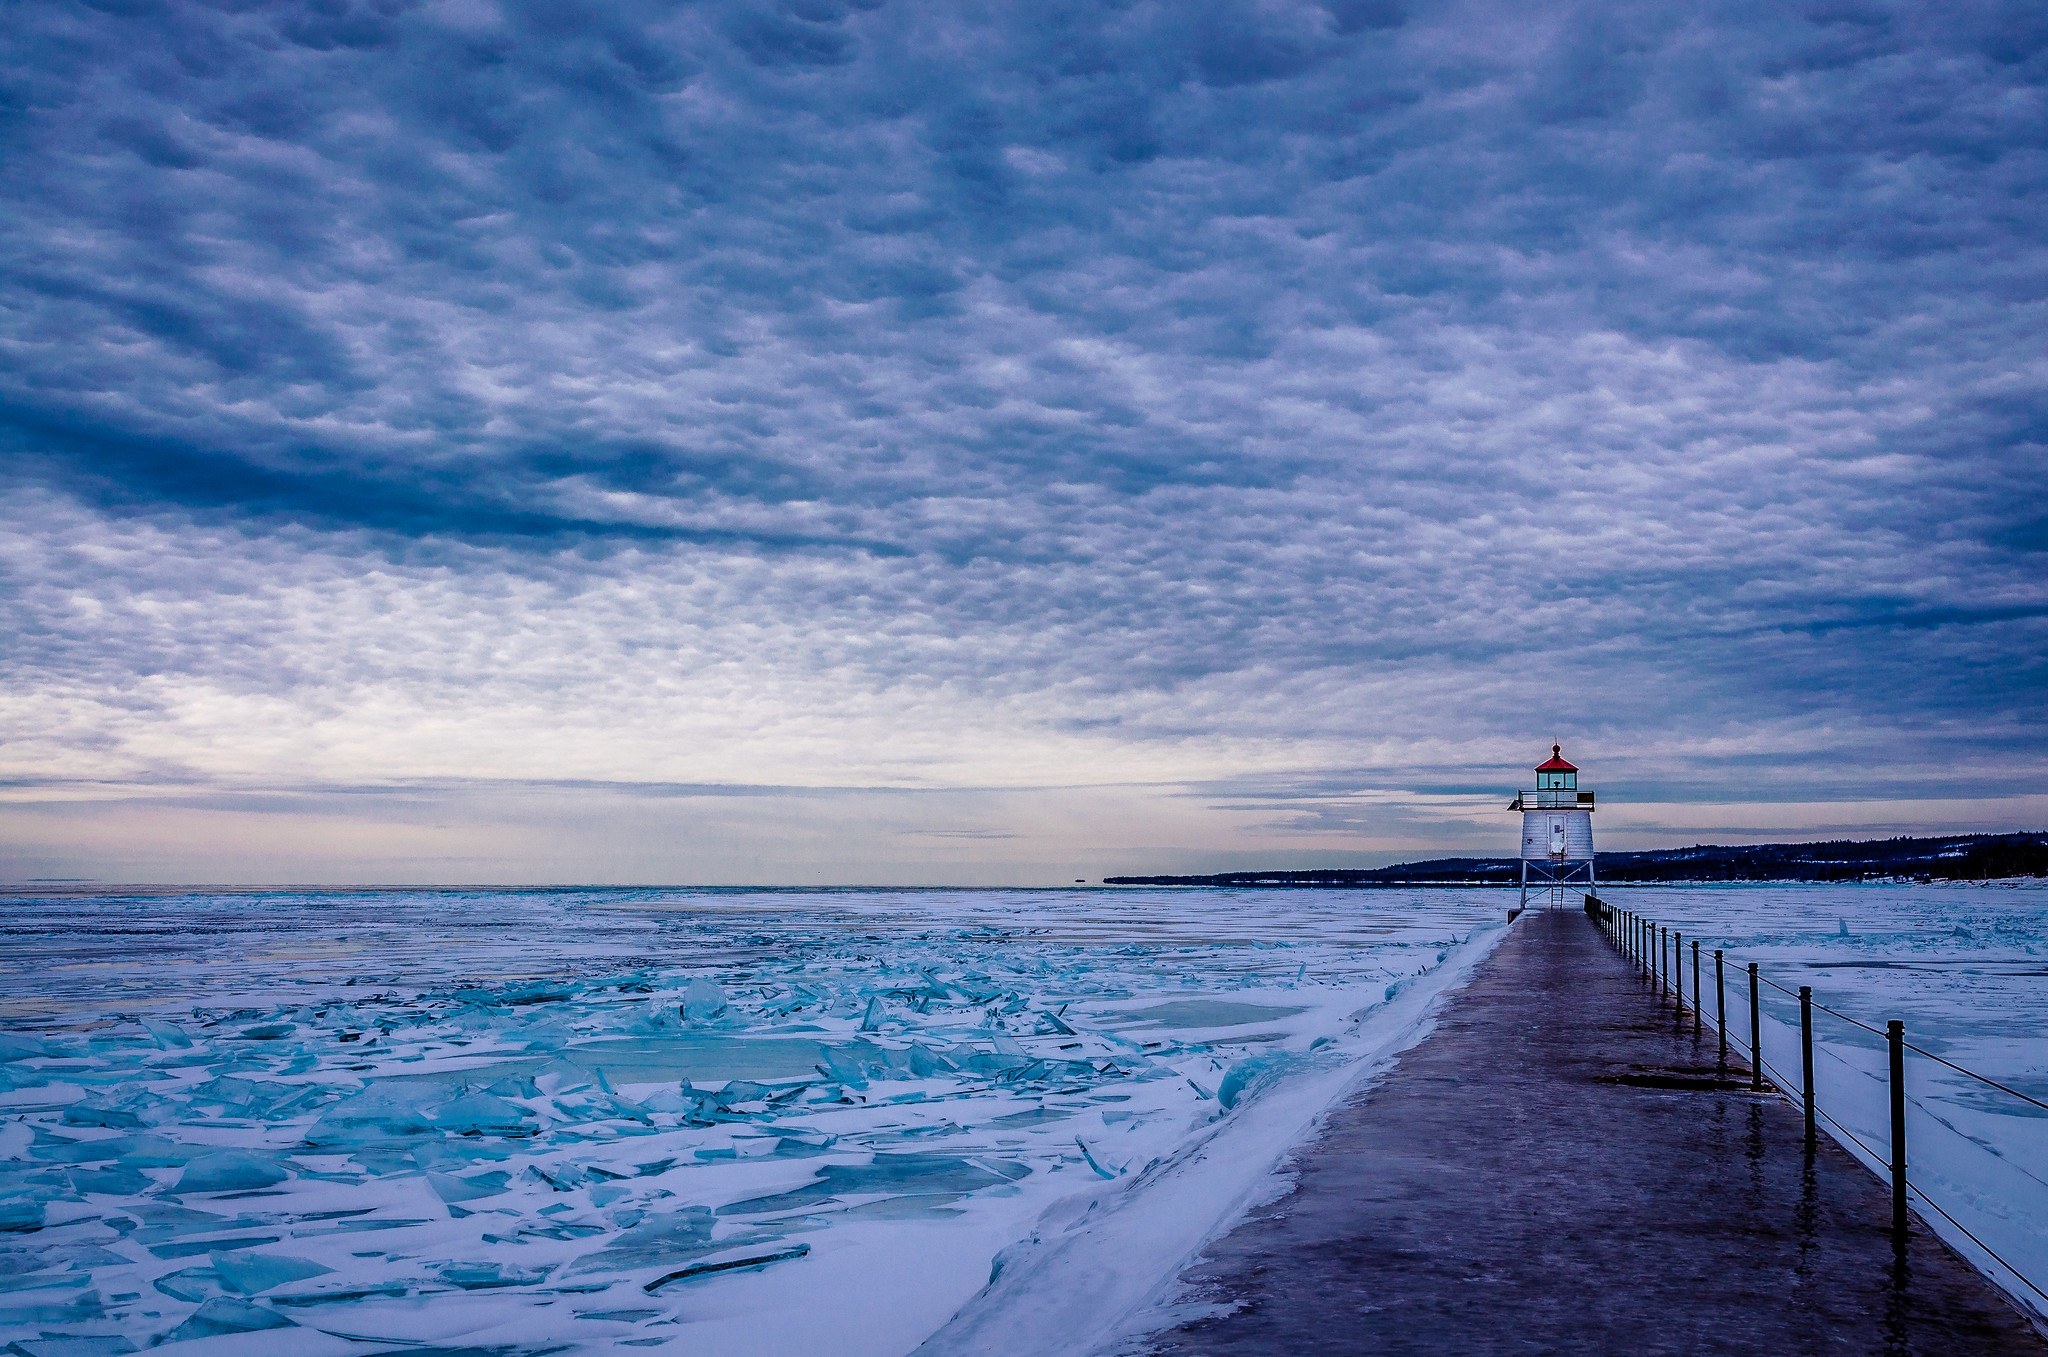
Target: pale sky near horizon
<point x="882" y="441"/>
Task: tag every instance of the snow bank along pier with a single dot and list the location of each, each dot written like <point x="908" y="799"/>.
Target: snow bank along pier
<point x="1574" y="1163"/>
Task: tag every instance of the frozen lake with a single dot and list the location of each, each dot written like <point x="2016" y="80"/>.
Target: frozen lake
<point x="504" y="1118"/>
<point x="771" y="1121"/>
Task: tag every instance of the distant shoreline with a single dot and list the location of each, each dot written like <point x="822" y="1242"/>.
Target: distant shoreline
<point x="1955" y="857"/>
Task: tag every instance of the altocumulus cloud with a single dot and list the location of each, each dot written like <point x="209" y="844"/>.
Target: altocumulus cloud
<point x="1277" y="397"/>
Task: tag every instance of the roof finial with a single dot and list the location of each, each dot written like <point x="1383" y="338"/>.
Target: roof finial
<point x="1556" y="750"/>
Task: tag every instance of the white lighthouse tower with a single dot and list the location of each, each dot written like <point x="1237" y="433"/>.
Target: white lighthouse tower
<point x="1557" y="829"/>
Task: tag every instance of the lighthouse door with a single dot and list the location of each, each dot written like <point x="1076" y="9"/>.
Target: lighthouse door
<point x="1557" y="838"/>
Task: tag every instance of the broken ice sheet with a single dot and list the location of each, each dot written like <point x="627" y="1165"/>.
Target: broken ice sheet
<point x="230" y="1171"/>
<point x="665" y="1085"/>
<point x="900" y="1174"/>
<point x="224" y="1315"/>
<point x="704" y="1001"/>
<point x="248" y="1274"/>
<point x="490" y="1276"/>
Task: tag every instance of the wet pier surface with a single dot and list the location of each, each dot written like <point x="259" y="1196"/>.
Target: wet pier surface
<point x="1560" y="1168"/>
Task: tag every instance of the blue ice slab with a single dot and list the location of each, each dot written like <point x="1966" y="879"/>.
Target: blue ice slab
<point x="452" y="1189"/>
<point x="597" y="1105"/>
<point x="78" y="1257"/>
<point x="16" y="1283"/>
<point x="1094" y="1164"/>
<point x="700" y="1055"/>
<point x="111" y="1114"/>
<point x="231" y="1171"/>
<point x="484" y="1114"/>
<point x="995" y="1062"/>
<point x="1185" y="1013"/>
<point x="167" y="1035"/>
<point x="560" y="1177"/>
<point x="339" y="1295"/>
<point x="843" y="1067"/>
<point x="748" y="1260"/>
<point x="224" y="1315"/>
<point x="1050" y="1023"/>
<point x="46" y="1306"/>
<point x="562" y="1075"/>
<point x="703" y="1001"/>
<point x="192" y="1248"/>
<point x="192" y="1285"/>
<point x="449" y="1155"/>
<point x="168" y="1220"/>
<point x="887" y="1174"/>
<point x="133" y="1151"/>
<point x="925" y="1062"/>
<point x="248" y="1274"/>
<point x="117" y="1181"/>
<point x="20" y="1215"/>
<point x="1247" y="1078"/>
<point x="538" y="992"/>
<point x="698" y="1109"/>
<point x="491" y="1276"/>
<point x="393" y="1108"/>
<point x="266" y="1098"/>
<point x="657" y="1239"/>
<point x="79" y="1345"/>
<point x="547" y="1037"/>
<point x="14" y="1046"/>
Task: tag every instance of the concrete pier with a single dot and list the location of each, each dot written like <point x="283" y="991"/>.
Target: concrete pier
<point x="1561" y="1168"/>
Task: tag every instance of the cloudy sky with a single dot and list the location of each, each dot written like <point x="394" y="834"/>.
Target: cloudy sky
<point x="931" y="441"/>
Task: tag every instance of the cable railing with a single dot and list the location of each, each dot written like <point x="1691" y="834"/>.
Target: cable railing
<point x="1659" y="952"/>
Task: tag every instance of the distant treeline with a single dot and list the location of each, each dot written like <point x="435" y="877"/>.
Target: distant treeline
<point x="1959" y="857"/>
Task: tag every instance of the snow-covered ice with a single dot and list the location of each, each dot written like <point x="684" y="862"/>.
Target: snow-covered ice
<point x="758" y="1122"/>
<point x="782" y="1122"/>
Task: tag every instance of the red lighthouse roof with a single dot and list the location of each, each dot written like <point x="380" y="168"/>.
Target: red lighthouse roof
<point x="1556" y="764"/>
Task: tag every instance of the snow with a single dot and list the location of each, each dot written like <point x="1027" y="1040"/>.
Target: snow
<point x="1962" y="965"/>
<point x="769" y="1122"/>
<point x="791" y="1122"/>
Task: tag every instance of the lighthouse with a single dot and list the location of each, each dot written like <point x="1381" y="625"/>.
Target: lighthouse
<point x="1557" y="828"/>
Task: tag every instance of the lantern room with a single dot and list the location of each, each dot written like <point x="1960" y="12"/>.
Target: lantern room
<point x="1555" y="775"/>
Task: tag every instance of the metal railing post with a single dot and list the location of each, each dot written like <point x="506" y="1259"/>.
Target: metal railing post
<point x="1756" y="1037"/>
<point x="1721" y="1006"/>
<point x="1806" y="1061"/>
<point x="1695" y="986"/>
<point x="1895" y="1037"/>
<point x="1663" y="974"/>
<point x="1678" y="971"/>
